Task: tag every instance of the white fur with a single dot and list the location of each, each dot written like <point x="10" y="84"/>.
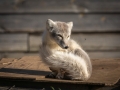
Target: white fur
<point x="70" y="25"/>
<point x="51" y="23"/>
<point x="73" y="64"/>
<point x="79" y="67"/>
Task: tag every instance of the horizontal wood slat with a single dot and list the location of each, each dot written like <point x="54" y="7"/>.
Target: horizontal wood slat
<point x="35" y="42"/>
<point x="17" y="54"/>
<point x="56" y="6"/>
<point x="98" y="41"/>
<point x="13" y="42"/>
<point x="92" y="42"/>
<point x="104" y="54"/>
<point x="82" y="23"/>
<point x="92" y="54"/>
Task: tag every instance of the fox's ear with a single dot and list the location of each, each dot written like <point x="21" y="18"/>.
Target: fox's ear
<point x="50" y="24"/>
<point x="70" y="24"/>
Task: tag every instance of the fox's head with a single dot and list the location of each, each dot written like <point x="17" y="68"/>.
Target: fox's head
<point x="60" y="32"/>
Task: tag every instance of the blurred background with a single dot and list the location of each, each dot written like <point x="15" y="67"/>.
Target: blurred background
<point x="96" y="25"/>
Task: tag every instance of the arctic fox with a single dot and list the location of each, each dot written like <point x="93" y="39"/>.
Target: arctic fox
<point x="64" y="56"/>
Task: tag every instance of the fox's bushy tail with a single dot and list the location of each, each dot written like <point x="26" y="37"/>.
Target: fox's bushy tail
<point x="75" y="65"/>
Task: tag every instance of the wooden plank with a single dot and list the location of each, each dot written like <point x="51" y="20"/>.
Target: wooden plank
<point x="104" y="41"/>
<point x="34" y="63"/>
<point x="82" y="23"/>
<point x="101" y="70"/>
<point x="17" y="54"/>
<point x="32" y="69"/>
<point x="91" y="42"/>
<point x="103" y="54"/>
<point x="54" y="6"/>
<point x="35" y="41"/>
<point x="6" y="61"/>
<point x="92" y="54"/>
<point x="99" y="6"/>
<point x="13" y="42"/>
<point x="18" y="88"/>
<point x="4" y="87"/>
<point x="105" y="71"/>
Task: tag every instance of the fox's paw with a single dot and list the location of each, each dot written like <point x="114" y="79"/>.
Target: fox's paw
<point x="76" y="79"/>
<point x="51" y="75"/>
<point x="59" y="77"/>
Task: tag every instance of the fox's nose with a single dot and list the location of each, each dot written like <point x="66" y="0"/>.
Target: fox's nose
<point x="66" y="47"/>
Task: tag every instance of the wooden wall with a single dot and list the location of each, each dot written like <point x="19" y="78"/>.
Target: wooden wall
<point x="96" y="25"/>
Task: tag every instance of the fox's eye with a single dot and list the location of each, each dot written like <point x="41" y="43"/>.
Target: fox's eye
<point x="51" y="28"/>
<point x="59" y="36"/>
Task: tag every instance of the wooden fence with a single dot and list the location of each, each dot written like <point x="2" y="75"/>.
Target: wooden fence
<point x="96" y="25"/>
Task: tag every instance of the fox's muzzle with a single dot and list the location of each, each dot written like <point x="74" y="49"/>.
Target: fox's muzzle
<point x="64" y="45"/>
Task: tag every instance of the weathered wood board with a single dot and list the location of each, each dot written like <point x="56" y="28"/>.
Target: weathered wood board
<point x="13" y="42"/>
<point x="98" y="41"/>
<point x="16" y="88"/>
<point x="103" y="54"/>
<point x="82" y="22"/>
<point x="105" y="71"/>
<point x="35" y="41"/>
<point x="92" y="54"/>
<point x="56" y="6"/>
<point x="6" y="61"/>
<point x="4" y="88"/>
<point x="17" y="54"/>
<point x="30" y="67"/>
<point x="91" y="42"/>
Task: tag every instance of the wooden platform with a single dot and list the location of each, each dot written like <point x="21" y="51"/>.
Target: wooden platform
<point x="96" y="25"/>
<point x="105" y="71"/>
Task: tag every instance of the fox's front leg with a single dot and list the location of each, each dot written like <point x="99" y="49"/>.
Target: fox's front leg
<point x="53" y="73"/>
<point x="60" y="74"/>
